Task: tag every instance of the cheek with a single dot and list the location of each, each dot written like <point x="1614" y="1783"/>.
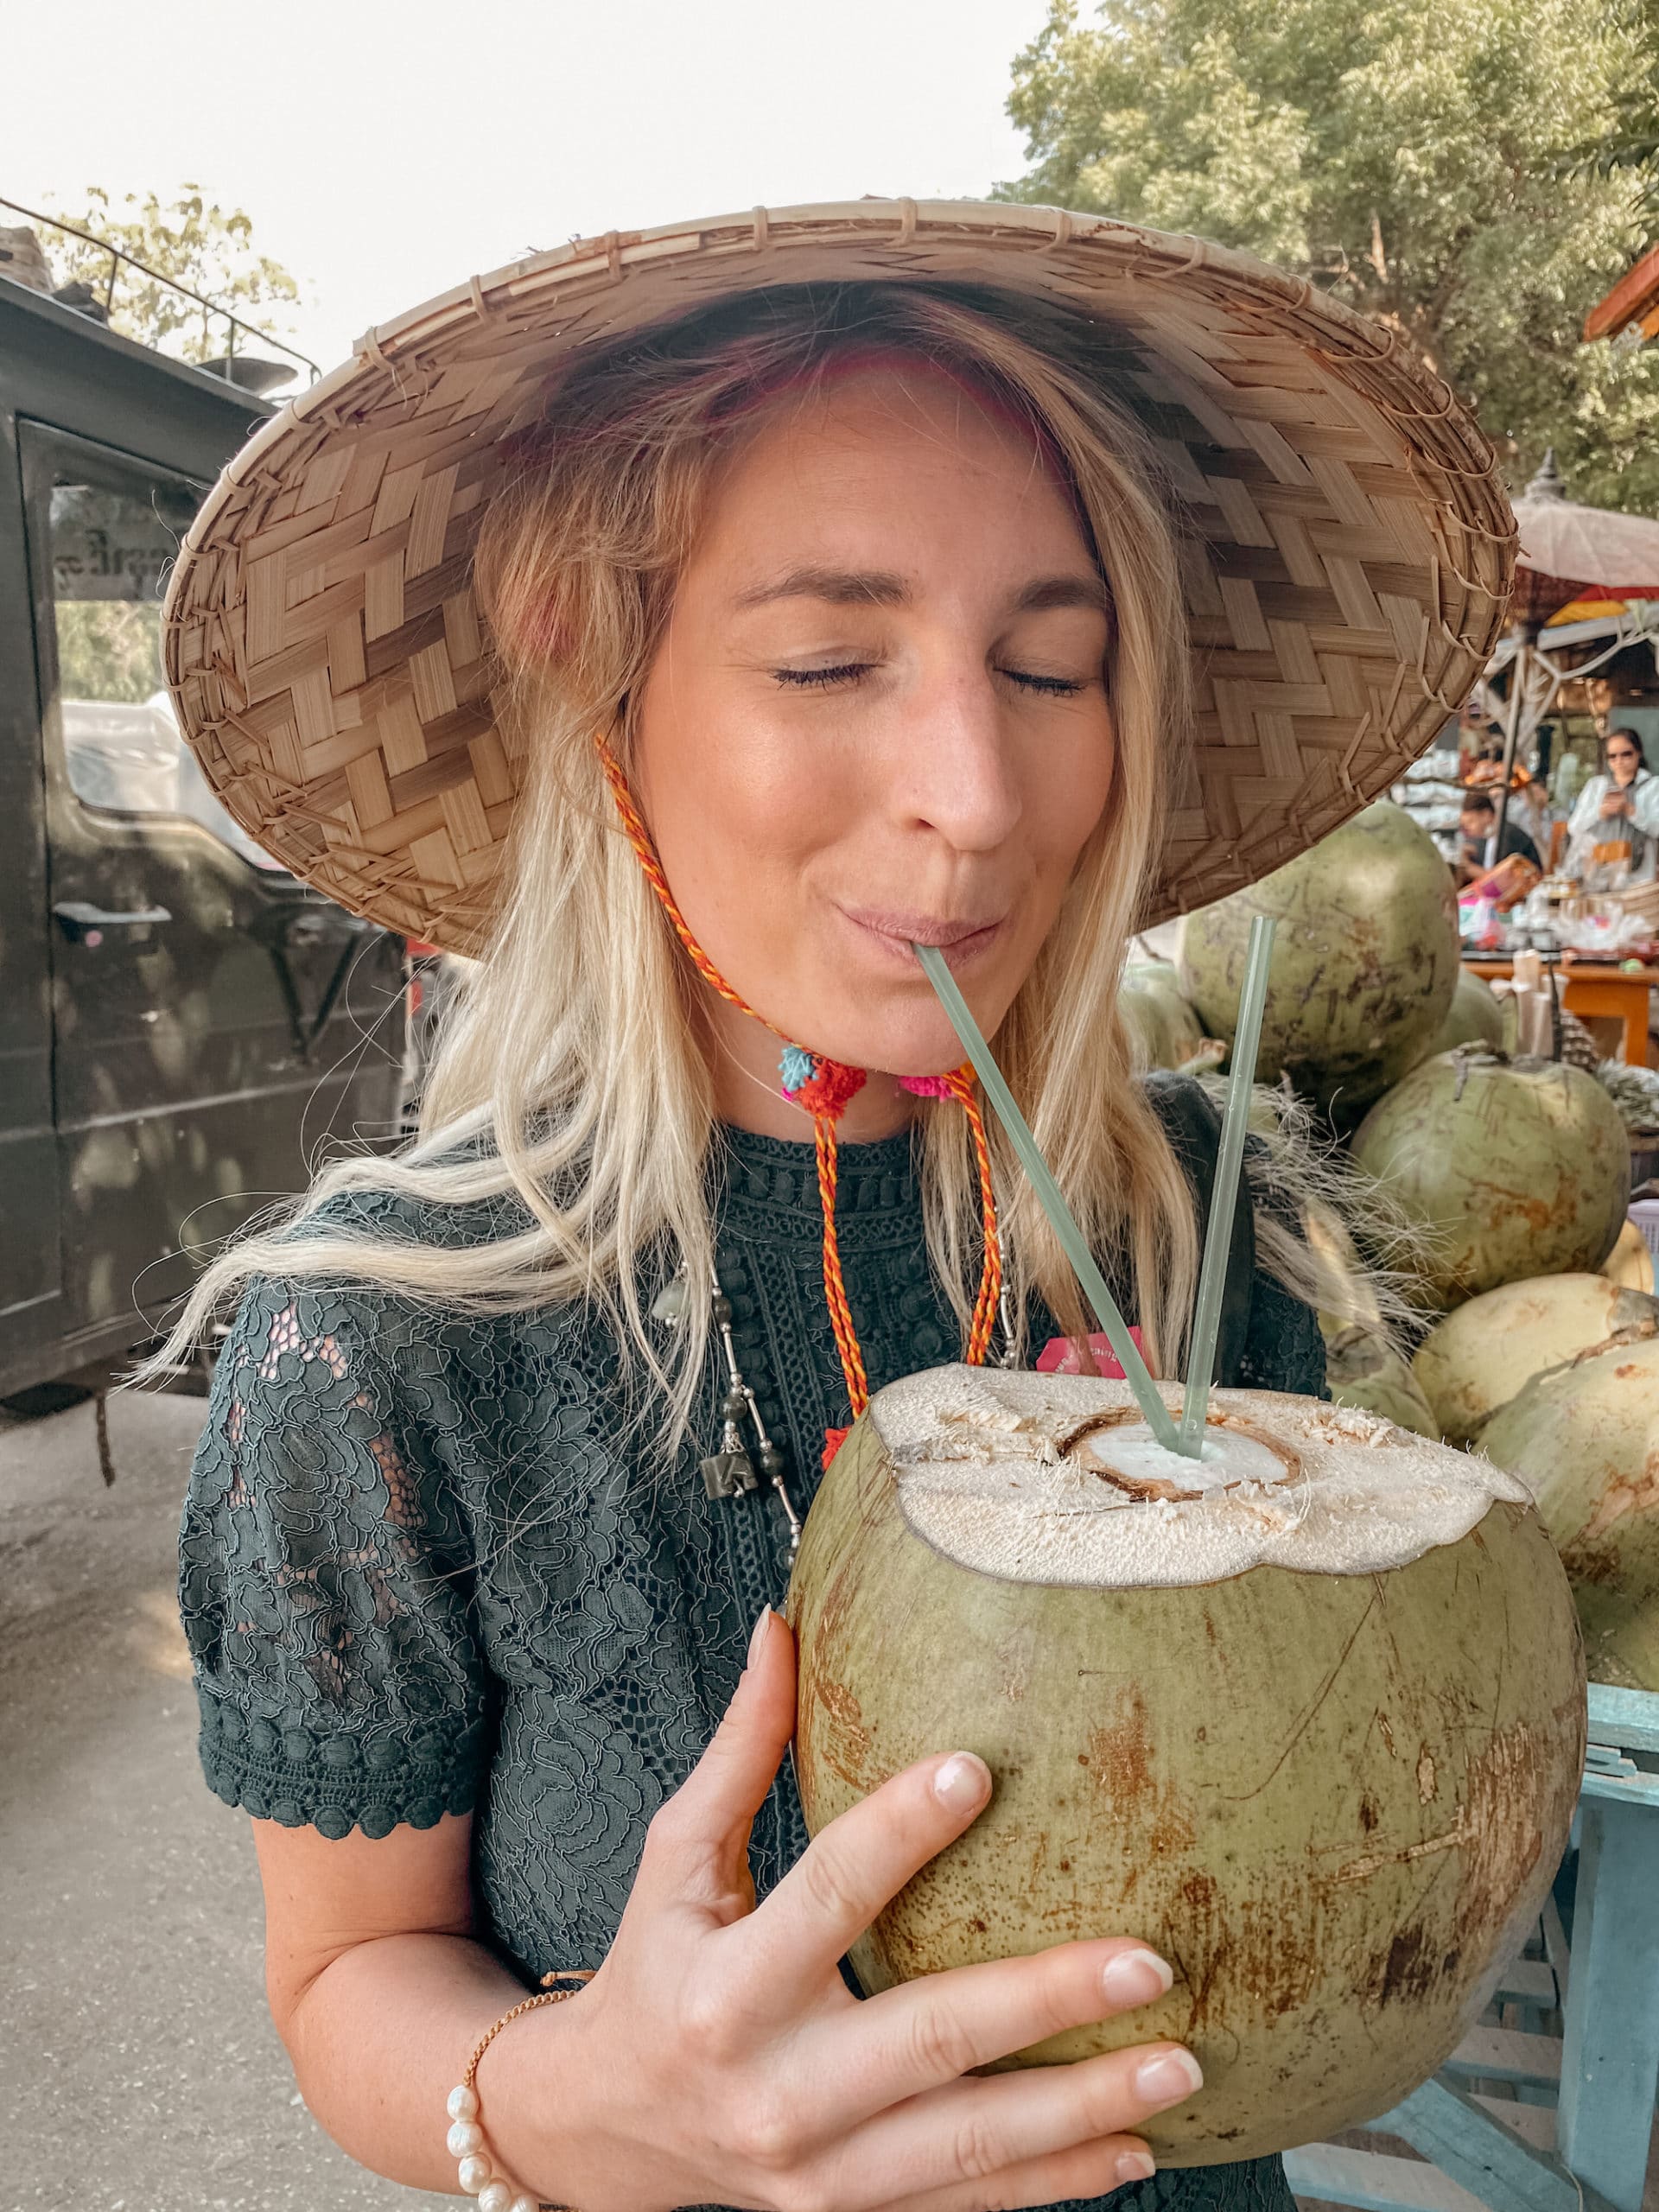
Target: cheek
<point x="1070" y="782"/>
<point x="738" y="808"/>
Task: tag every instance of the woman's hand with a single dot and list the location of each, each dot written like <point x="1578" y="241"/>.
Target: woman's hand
<point x="719" y="2058"/>
<point x="1614" y="803"/>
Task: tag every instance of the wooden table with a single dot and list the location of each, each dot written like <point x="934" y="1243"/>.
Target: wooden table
<point x="1594" y="987"/>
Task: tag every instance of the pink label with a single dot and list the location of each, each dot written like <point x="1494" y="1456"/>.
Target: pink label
<point x="1059" y="1357"/>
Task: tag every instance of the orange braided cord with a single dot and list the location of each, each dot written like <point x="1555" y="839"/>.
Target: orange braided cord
<point x="835" y="1289"/>
<point x="990" y="1281"/>
<point x="639" y="838"/>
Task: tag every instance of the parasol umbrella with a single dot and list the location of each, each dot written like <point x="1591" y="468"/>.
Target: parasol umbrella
<point x="1567" y="552"/>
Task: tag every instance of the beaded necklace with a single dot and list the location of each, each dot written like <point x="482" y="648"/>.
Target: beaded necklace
<point x="822" y="1088"/>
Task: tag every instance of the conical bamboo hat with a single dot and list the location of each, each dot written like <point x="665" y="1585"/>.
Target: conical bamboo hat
<point x="1351" y="545"/>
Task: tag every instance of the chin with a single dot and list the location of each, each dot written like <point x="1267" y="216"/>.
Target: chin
<point x="911" y="1040"/>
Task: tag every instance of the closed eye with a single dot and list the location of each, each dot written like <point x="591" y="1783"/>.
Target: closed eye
<point x="817" y="679"/>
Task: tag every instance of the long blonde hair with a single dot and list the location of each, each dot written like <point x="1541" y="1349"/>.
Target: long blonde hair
<point x="575" y="1075"/>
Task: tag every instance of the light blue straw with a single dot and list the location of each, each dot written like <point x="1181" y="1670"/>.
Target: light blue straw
<point x="1112" y="1323"/>
<point x="1217" y="1242"/>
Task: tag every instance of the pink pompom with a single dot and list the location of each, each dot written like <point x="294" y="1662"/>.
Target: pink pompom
<point x="929" y="1086"/>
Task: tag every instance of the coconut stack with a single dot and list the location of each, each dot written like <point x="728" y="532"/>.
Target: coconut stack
<point x="1511" y="1168"/>
<point x="1473" y="1363"/>
<point x="1366" y="960"/>
<point x="1584" y="1436"/>
<point x="1306" y="1714"/>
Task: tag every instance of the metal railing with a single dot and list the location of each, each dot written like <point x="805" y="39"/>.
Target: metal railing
<point x="119" y="257"/>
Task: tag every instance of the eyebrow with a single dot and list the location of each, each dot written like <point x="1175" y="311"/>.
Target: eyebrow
<point x="880" y="587"/>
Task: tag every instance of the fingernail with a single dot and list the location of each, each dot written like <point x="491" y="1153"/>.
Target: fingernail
<point x="962" y="1783"/>
<point x="1135" y="2165"/>
<point x="1169" y="2078"/>
<point x="757" y="1638"/>
<point x="1135" y="1977"/>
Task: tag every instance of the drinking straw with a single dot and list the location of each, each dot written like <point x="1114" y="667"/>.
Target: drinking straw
<point x="1112" y="1324"/>
<point x="1217" y="1242"/>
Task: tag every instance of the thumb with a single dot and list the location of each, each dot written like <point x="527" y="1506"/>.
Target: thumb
<point x="706" y="1823"/>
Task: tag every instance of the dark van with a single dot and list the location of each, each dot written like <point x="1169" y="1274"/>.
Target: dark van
<point x="183" y="1025"/>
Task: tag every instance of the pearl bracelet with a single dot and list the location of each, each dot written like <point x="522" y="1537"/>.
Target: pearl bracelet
<point x="465" y="2140"/>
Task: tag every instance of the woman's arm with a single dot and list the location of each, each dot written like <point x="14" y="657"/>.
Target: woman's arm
<point x="375" y="1985"/>
<point x="718" y="2056"/>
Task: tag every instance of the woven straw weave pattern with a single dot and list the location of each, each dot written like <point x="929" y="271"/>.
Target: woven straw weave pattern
<point x="1349" y="564"/>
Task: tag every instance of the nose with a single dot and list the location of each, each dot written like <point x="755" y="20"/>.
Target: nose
<point x="959" y="773"/>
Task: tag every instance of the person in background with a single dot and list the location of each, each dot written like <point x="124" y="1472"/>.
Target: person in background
<point x="1476" y="819"/>
<point x="1616" y="820"/>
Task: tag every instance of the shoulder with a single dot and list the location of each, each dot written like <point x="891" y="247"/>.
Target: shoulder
<point x="1188" y="1116"/>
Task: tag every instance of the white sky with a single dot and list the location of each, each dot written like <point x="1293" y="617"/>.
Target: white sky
<point x="386" y="151"/>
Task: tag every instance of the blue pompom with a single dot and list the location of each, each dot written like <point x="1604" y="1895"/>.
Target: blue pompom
<point x="795" y="1067"/>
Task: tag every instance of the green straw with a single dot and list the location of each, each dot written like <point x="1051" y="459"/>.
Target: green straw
<point x="1113" y="1326"/>
<point x="1217" y="1244"/>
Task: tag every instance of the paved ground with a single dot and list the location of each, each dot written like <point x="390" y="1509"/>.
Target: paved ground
<point x="138" y="2071"/>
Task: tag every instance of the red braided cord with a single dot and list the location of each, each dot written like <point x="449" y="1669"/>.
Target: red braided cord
<point x="990" y="1281"/>
<point x="834" y="1288"/>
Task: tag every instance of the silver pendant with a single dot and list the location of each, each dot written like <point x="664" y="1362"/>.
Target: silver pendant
<point x="728" y="1473"/>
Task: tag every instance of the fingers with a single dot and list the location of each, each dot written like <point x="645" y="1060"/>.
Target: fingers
<point x="835" y="1889"/>
<point x="932" y="2031"/>
<point x="701" y="1835"/>
<point x="1091" y="2170"/>
<point x="976" y="2133"/>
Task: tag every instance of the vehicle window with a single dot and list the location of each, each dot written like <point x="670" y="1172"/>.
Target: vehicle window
<point x="109" y="554"/>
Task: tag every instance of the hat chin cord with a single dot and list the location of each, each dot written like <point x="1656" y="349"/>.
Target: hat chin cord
<point x="824" y="1088"/>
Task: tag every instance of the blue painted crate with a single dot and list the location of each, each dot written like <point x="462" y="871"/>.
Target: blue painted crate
<point x="1579" y="2131"/>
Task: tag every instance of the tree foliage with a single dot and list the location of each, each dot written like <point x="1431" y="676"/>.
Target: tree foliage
<point x="191" y="238"/>
<point x="1431" y="162"/>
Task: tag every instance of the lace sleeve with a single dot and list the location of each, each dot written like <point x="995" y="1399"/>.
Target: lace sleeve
<point x="324" y="1577"/>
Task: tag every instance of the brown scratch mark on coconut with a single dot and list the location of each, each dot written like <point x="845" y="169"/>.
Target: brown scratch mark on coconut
<point x="1622" y="1498"/>
<point x="1369" y="1813"/>
<point x="1120" y="1764"/>
<point x="1385" y="1730"/>
<point x="844" y="1743"/>
<point x="1427" y="1781"/>
<point x="1373" y="1862"/>
<point x="1304" y="1721"/>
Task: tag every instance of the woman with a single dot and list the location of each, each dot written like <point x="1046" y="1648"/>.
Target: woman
<point x="834" y="587"/>
<point x="1614" y="826"/>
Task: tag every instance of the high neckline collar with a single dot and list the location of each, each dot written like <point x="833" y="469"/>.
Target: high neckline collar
<point x="782" y="1175"/>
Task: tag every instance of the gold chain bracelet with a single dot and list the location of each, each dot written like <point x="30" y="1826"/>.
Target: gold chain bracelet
<point x="478" y="2177"/>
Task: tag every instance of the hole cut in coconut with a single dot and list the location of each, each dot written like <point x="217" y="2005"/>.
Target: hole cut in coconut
<point x="1120" y="1450"/>
<point x="1056" y="1478"/>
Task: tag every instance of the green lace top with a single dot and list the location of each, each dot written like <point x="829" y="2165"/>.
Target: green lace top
<point x="421" y="1570"/>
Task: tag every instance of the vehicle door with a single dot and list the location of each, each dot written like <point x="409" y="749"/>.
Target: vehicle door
<point x="214" y="1022"/>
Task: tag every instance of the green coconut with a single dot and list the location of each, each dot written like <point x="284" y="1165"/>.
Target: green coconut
<point x="1585" y="1439"/>
<point x="1478" y="1359"/>
<point x="1363" y="1371"/>
<point x="1164" y="1029"/>
<point x="1364" y="963"/>
<point x="1305" y="1715"/>
<point x="1474" y="1017"/>
<point x="1514" y="1168"/>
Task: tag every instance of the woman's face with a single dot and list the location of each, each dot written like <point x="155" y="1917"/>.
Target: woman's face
<point x="1623" y="757"/>
<point x="878" y="715"/>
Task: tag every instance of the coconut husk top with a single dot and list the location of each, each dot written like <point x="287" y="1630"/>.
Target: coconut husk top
<point x="1349" y="546"/>
<point x="1053" y="1478"/>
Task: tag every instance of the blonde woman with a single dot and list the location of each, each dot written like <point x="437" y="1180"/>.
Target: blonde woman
<point x="690" y="641"/>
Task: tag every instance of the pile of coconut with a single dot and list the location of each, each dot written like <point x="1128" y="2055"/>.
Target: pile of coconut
<point x="1528" y="1331"/>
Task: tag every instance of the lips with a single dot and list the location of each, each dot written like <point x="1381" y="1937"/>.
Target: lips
<point x="958" y="936"/>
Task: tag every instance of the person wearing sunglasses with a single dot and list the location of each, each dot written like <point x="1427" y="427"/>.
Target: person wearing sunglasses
<point x="1615" y="824"/>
